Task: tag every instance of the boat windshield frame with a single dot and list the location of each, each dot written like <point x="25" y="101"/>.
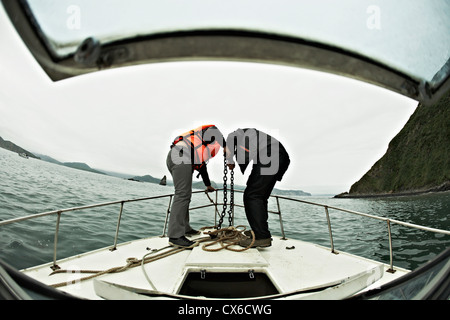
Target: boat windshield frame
<point x="221" y="44"/>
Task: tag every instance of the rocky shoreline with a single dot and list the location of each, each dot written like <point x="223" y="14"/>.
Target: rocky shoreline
<point x="445" y="187"/>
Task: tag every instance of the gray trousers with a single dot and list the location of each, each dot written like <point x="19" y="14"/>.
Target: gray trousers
<point x="182" y="181"/>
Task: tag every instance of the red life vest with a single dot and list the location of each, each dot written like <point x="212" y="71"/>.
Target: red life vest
<point x="202" y="147"/>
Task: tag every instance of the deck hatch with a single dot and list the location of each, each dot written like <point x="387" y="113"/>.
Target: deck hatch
<point x="227" y="284"/>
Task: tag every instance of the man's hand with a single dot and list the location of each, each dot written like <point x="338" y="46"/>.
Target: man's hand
<point x="228" y="155"/>
<point x="210" y="189"/>
<point x="231" y="166"/>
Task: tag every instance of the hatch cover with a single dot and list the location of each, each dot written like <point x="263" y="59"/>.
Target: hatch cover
<point x="225" y="258"/>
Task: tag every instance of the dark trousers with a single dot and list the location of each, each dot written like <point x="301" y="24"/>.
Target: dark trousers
<point x="256" y="196"/>
<point x="182" y="181"/>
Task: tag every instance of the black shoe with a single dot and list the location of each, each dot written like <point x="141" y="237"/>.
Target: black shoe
<point x="248" y="233"/>
<point x="257" y="243"/>
<point x="181" y="242"/>
<point x="192" y="232"/>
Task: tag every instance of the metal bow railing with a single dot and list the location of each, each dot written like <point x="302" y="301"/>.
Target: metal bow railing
<point x="215" y="203"/>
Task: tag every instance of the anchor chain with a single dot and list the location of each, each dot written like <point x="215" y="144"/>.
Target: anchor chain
<point x="225" y="194"/>
<point x="231" y="210"/>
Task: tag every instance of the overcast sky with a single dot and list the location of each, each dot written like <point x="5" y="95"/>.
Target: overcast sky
<point x="124" y="120"/>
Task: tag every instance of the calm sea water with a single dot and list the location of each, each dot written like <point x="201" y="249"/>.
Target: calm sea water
<point x="30" y="186"/>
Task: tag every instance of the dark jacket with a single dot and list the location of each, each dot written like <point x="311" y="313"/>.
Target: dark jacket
<point x="253" y="145"/>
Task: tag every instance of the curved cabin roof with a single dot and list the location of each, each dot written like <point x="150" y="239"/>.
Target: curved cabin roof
<point x="401" y="45"/>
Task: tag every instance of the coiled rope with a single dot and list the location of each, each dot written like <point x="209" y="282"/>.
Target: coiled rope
<point x="225" y="237"/>
<point x="130" y="263"/>
<point x="228" y="237"/>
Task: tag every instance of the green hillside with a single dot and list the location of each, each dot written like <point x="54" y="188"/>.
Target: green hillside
<point x="418" y="158"/>
<point x="8" y="145"/>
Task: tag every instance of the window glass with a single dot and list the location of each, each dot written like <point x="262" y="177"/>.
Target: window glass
<point x="412" y="36"/>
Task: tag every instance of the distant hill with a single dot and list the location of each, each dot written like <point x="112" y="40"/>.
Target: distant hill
<point x="48" y="159"/>
<point x="417" y="159"/>
<point x="281" y="192"/>
<point x="201" y="185"/>
<point x="8" y="145"/>
<point x="147" y="178"/>
<point x="275" y="191"/>
<point x="81" y="166"/>
<point x="74" y="165"/>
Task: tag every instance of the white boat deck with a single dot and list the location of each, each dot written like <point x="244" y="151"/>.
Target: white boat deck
<point x="291" y="265"/>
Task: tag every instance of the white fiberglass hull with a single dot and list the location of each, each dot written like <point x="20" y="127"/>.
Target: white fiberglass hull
<point x="296" y="269"/>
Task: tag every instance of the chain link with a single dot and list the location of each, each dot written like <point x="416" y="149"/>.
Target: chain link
<point x="225" y="195"/>
<point x="231" y="211"/>
<point x="225" y="172"/>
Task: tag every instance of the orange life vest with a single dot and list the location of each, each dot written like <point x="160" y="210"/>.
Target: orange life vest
<point x="202" y="147"/>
